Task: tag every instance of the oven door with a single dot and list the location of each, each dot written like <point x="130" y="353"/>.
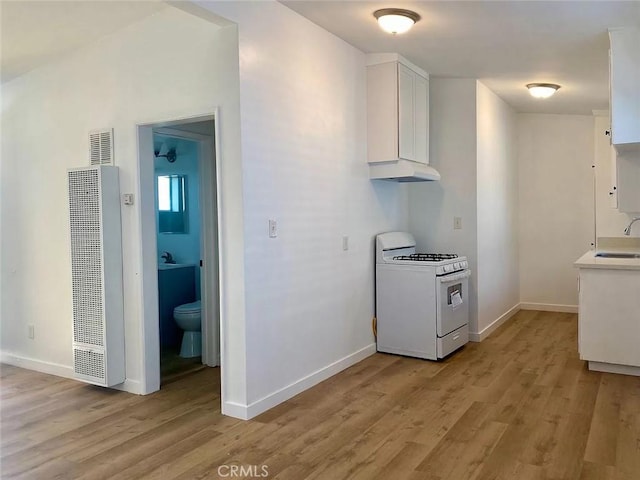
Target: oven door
<point x="452" y="301"/>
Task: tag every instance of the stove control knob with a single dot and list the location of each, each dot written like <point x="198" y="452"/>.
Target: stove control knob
<point x="447" y="268"/>
<point x="457" y="265"/>
<point x="465" y="265"/>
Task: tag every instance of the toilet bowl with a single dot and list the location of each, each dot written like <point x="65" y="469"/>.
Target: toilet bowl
<point x="187" y="317"/>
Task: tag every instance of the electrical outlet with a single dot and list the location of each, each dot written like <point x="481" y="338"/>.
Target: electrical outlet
<point x="345" y="242"/>
<point x="457" y="223"/>
<point x="273" y="228"/>
<point x="31" y="332"/>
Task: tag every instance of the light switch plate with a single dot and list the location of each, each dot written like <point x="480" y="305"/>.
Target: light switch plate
<point x="457" y="223"/>
<point x="273" y="228"/>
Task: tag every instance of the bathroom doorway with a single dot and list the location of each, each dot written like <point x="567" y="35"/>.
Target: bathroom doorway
<point x="179" y="189"/>
<point x="178" y="215"/>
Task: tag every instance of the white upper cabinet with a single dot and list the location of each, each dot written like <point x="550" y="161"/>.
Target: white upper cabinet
<point x="625" y="87"/>
<point x="624" y="84"/>
<point x="397" y="110"/>
<point x="627" y="164"/>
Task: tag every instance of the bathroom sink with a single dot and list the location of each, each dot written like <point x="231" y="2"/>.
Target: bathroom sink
<point x="171" y="266"/>
<point x="617" y="255"/>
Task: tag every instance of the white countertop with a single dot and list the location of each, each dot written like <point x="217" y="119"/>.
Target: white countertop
<point x="589" y="260"/>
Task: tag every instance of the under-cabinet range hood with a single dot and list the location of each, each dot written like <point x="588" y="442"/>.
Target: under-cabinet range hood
<point x="403" y="171"/>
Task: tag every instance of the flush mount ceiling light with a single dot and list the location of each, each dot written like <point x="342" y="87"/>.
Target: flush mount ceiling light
<point x="542" y="90"/>
<point x="396" y="20"/>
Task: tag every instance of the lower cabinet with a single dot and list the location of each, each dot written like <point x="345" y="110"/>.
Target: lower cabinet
<point x="609" y="317"/>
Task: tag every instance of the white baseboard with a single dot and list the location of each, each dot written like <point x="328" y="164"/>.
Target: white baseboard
<point x="544" y="307"/>
<point x="50" y="368"/>
<point x="37" y="365"/>
<point x="246" y="412"/>
<point x="549" y="307"/>
<point x="489" y="329"/>
<point x="614" y="368"/>
<point x="130" y="386"/>
<point x="235" y="410"/>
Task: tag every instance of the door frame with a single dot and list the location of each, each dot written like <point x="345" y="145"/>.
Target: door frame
<point x="149" y="332"/>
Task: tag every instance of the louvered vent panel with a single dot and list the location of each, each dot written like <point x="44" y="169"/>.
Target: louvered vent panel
<point x="86" y="257"/>
<point x="89" y="363"/>
<point x="101" y="147"/>
<point x="96" y="275"/>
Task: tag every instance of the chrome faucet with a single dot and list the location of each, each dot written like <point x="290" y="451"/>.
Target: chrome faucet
<point x="167" y="257"/>
<point x="627" y="231"/>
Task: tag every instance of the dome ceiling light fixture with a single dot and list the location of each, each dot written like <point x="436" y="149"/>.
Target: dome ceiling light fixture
<point x="542" y="90"/>
<point x="396" y="20"/>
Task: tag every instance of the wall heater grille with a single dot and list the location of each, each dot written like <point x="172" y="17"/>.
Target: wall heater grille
<point x="86" y="257"/>
<point x="89" y="363"/>
<point x="96" y="275"/>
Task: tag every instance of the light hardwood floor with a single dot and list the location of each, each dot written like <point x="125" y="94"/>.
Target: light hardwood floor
<point x="519" y="405"/>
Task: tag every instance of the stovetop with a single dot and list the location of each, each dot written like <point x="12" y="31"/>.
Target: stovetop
<point x="427" y="257"/>
<point x="442" y="263"/>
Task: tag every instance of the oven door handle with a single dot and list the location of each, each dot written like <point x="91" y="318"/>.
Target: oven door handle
<point x="454" y="277"/>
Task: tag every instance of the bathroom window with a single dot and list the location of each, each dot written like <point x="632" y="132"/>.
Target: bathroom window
<point x="172" y="204"/>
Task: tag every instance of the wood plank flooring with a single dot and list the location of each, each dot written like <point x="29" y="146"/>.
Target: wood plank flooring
<point x="520" y="405"/>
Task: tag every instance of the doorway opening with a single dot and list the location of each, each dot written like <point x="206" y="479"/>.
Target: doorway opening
<point x="180" y="248"/>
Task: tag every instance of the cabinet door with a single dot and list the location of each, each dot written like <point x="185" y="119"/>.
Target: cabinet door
<point x="613" y="184"/>
<point x="608" y="326"/>
<point x="382" y="112"/>
<point x="628" y="178"/>
<point x="624" y="81"/>
<point x="406" y="103"/>
<point x="421" y="119"/>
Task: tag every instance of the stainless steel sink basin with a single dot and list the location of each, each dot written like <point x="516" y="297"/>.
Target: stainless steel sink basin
<point x="617" y="255"/>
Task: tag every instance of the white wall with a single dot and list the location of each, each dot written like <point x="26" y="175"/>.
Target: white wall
<point x="609" y="221"/>
<point x="167" y="66"/>
<point x="452" y="151"/>
<point x="555" y="154"/>
<point x="472" y="138"/>
<point x="497" y="190"/>
<point x="309" y="303"/>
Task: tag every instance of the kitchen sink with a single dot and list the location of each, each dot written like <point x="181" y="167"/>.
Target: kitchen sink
<point x="617" y="255"/>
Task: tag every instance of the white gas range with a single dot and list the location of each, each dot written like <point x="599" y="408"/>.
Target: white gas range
<point x="422" y="305"/>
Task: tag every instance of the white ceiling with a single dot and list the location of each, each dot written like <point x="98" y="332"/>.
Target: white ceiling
<point x="505" y="44"/>
<point x="34" y="33"/>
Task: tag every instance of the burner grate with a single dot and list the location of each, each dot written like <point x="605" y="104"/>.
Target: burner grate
<point x="427" y="257"/>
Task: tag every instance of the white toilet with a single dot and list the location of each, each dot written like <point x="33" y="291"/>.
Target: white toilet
<point x="187" y="317"/>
